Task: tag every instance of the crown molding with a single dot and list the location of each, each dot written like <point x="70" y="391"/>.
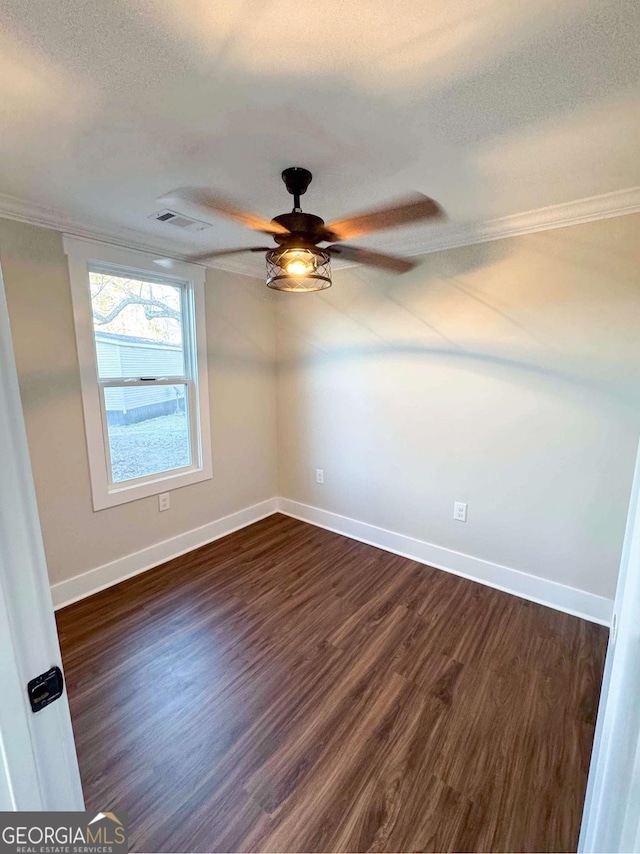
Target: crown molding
<point x="443" y="236"/>
<point x="35" y="214"/>
<point x="451" y="235"/>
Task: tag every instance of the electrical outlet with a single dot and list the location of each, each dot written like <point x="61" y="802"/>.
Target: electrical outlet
<point x="164" y="501"/>
<point x="319" y="475"/>
<point x="459" y="511"/>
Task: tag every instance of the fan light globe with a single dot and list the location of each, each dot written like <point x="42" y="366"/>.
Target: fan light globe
<point x="298" y="269"/>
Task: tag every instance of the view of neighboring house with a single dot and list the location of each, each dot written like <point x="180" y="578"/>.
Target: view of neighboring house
<point x="127" y="356"/>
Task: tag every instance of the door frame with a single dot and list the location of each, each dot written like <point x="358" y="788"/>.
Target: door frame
<point x="38" y="763"/>
<point x="611" y="815"/>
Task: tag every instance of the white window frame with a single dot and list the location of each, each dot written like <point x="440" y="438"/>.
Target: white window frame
<point x="83" y="254"/>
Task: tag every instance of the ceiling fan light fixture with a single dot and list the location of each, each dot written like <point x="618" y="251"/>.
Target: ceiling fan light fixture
<point x="297" y="265"/>
<point x="298" y="269"/>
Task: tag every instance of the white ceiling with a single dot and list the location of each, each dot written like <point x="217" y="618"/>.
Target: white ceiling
<point x="492" y="107"/>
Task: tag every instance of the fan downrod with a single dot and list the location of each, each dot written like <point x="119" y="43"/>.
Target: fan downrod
<point x="296" y="180"/>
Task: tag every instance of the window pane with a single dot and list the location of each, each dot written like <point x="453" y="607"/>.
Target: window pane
<point x="148" y="430"/>
<point x="137" y="326"/>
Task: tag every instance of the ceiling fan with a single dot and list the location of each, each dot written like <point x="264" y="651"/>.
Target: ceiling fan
<point x="297" y="263"/>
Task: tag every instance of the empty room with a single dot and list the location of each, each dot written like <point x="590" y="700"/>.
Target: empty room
<point x="319" y="419"/>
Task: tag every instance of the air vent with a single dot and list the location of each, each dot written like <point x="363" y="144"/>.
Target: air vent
<point x="180" y="221"/>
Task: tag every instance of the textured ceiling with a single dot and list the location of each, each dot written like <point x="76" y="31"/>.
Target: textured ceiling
<point x="490" y="107"/>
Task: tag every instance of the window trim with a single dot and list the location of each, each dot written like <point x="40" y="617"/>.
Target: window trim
<point x="82" y="252"/>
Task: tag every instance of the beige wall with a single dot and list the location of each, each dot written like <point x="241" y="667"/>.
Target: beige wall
<point x="505" y="375"/>
<point x="241" y="342"/>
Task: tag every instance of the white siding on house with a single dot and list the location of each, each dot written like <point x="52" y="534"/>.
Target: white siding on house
<point x="137" y="359"/>
<point x="108" y="357"/>
<point x="147" y="395"/>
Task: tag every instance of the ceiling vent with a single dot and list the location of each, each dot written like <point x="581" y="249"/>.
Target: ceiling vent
<point x="180" y="221"/>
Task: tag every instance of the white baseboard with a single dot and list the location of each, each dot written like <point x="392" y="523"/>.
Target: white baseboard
<point x="80" y="586"/>
<point x="597" y="609"/>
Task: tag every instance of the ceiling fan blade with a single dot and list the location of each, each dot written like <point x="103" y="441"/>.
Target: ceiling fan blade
<point x="410" y="209"/>
<point x="216" y="253"/>
<point x="212" y="203"/>
<point x="372" y="258"/>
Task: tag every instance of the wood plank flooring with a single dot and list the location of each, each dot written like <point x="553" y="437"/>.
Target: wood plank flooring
<point x="288" y="689"/>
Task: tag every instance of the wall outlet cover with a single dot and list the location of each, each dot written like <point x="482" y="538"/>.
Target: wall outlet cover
<point x="460" y="511"/>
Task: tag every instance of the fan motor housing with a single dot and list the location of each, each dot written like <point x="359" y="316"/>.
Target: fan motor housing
<point x="301" y="226"/>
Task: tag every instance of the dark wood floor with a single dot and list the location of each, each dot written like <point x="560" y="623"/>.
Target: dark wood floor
<point x="288" y="689"/>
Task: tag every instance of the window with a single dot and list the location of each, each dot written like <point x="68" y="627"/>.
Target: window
<point x="142" y="354"/>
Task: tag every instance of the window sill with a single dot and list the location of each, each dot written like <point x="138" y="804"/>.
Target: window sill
<point x="165" y="482"/>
